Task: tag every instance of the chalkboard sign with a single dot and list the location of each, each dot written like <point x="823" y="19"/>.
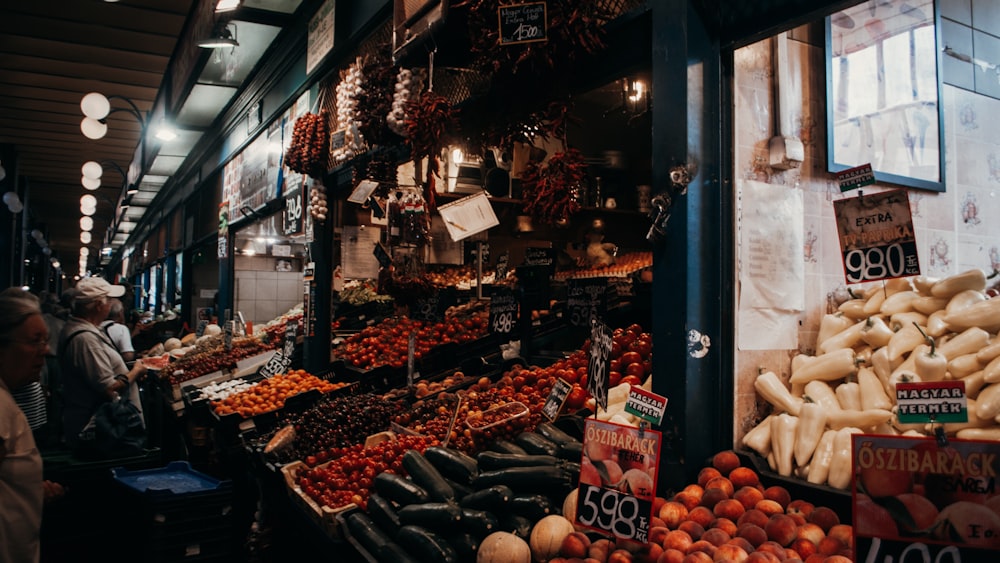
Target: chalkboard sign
<point x="471" y="248"/>
<point x="503" y="263"/>
<point x="503" y="311"/>
<point x="382" y="255"/>
<point x="523" y="23"/>
<point x="291" y="332"/>
<point x="557" y="398"/>
<point x="432" y="308"/>
<point x="338" y="139"/>
<point x="597" y="368"/>
<point x="274" y="366"/>
<point x="586" y="299"/>
<point x="282" y="359"/>
<point x="538" y="256"/>
<point x="292" y="223"/>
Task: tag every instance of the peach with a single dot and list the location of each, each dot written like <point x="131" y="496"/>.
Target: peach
<point x="677" y="539"/>
<point x="748" y="496"/>
<point x="811" y="532"/>
<point x="707" y="474"/>
<point x="725" y="461"/>
<point x="791" y="555"/>
<point x="752" y="533"/>
<point x="729" y="508"/>
<point x="589" y="474"/>
<point x="800" y="506"/>
<point x="726" y="525"/>
<point x="701" y="515"/>
<point x="837" y="559"/>
<point x="803" y="547"/>
<point x="657" y="534"/>
<point x="742" y="543"/>
<point x="600" y="549"/>
<point x="779" y="495"/>
<point x="744" y="477"/>
<point x="694" y="529"/>
<point x="815" y="558"/>
<point x="721" y="483"/>
<point x="753" y="516"/>
<point x="655" y="521"/>
<point x="712" y="497"/>
<point x="922" y="511"/>
<point x="844" y="533"/>
<point x="769" y="507"/>
<point x="613" y="470"/>
<point x="873" y="519"/>
<point x="694" y="489"/>
<point x="774" y="548"/>
<point x="762" y="557"/>
<point x="671" y="556"/>
<point x="731" y="552"/>
<point x="824" y="517"/>
<point x="829" y="545"/>
<point x="781" y="529"/>
<point x="657" y="503"/>
<point x="697" y="557"/>
<point x="648" y="553"/>
<point x="715" y="536"/>
<point x="800" y="520"/>
<point x="672" y="514"/>
<point x="620" y="556"/>
<point x="703" y="546"/>
<point x="577" y="544"/>
<point x="689" y="500"/>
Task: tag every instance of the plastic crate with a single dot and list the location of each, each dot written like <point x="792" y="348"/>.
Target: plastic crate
<point x="177" y="496"/>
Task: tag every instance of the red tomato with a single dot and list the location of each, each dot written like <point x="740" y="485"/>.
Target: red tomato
<point x="569" y="376"/>
<point x="615" y="365"/>
<point x="643" y="347"/>
<point x="636" y="369"/>
<point x="576" y="398"/>
<point x="614" y="378"/>
<point x="630" y="357"/>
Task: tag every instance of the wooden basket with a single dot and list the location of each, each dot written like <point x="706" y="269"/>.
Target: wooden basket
<point x="323" y="516"/>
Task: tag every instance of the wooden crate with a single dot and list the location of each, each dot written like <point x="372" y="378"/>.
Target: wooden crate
<point x="323" y="516"/>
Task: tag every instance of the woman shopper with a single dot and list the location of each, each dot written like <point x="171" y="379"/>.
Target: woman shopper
<point x="93" y="371"/>
<point x="23" y="342"/>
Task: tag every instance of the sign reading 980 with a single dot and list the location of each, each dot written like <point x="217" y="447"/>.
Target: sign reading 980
<point x="876" y="237"/>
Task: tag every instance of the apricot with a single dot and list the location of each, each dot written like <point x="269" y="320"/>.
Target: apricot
<point x="577" y="544"/>
<point x="769" y="507"/>
<point x="748" y="496"/>
<point x="657" y="503"/>
<point x="694" y="489"/>
<point x="781" y="529"/>
<point x="774" y="548"/>
<point x="779" y="495"/>
<point x="721" y="483"/>
<point x="800" y="520"/>
<point x="701" y="515"/>
<point x="655" y="521"/>
<point x="725" y="461"/>
<point x="707" y="474"/>
<point x="672" y="514"/>
<point x="815" y="558"/>
<point x="837" y="559"/>
<point x="753" y="516"/>
<point x="600" y="549"/>
<point x="752" y="533"/>
<point x="824" y="518"/>
<point x="726" y="525"/>
<point x="694" y="529"/>
<point x="715" y="536"/>
<point x="677" y="539"/>
<point x="729" y="508"/>
<point x="712" y="497"/>
<point x="671" y="556"/>
<point x="744" y="477"/>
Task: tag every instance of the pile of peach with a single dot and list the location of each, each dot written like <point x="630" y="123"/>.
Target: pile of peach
<point x="270" y="394"/>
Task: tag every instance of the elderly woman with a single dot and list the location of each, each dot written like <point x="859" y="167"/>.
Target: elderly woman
<point x="24" y="339"/>
<point x="93" y="372"/>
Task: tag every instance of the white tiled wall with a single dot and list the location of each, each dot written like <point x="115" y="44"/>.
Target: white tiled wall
<point x="264" y="294"/>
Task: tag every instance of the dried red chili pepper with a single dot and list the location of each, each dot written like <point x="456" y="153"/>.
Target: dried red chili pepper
<point x="550" y="190"/>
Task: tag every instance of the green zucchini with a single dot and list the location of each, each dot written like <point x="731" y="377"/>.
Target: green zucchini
<point x="453" y="464"/>
<point x="392" y="553"/>
<point x="479" y="523"/>
<point x="492" y="499"/>
<point x="427" y="476"/>
<point x="364" y="530"/>
<point x="489" y="461"/>
<point x="554" y="433"/>
<point x="427" y="546"/>
<point x="466" y="545"/>
<point x="506" y="447"/>
<point x="541" y="479"/>
<point x="533" y="507"/>
<point x="441" y="516"/>
<point x="536" y="444"/>
<point x="383" y="513"/>
<point x="517" y="525"/>
<point x="572" y="451"/>
<point x="399" y="489"/>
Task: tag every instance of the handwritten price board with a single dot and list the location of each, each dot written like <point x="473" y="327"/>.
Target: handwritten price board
<point x="597" y="368"/>
<point x="539" y="256"/>
<point x="586" y="299"/>
<point x="556" y="399"/>
<point x="523" y="23"/>
<point x="432" y="308"/>
<point x="503" y="311"/>
<point x="876" y="237"/>
<point x="948" y="486"/>
<point x="292" y="219"/>
<point x="622" y="508"/>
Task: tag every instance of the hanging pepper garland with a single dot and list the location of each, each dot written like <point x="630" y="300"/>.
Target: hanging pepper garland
<point x="307" y="152"/>
<point x="550" y="189"/>
<point x="429" y="118"/>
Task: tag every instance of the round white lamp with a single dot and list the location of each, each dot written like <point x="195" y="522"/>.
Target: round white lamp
<point x="86" y="223"/>
<point x="90" y="183"/>
<point x="92" y="169"/>
<point x="95" y="105"/>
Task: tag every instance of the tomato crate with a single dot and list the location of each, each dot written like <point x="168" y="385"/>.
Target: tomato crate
<point x="323" y="516"/>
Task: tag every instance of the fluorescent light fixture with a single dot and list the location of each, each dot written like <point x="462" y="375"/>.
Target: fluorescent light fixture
<point x="92" y="169"/>
<point x="93" y="128"/>
<point x="90" y="183"/>
<point x="226" y="5"/>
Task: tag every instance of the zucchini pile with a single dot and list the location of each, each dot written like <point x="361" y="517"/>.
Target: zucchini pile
<point x="452" y="501"/>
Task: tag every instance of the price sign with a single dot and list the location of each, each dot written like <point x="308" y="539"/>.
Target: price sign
<point x="200" y="330"/>
<point x="537" y="256"/>
<point x="948" y="486"/>
<point x="646" y="405"/>
<point x="523" y="23"/>
<point x="503" y="262"/>
<point x="586" y="299"/>
<point x="876" y="237"/>
<point x="292" y="219"/>
<point x="503" y="311"/>
<point x="291" y="331"/>
<point x="597" y="369"/>
<point x="274" y="366"/>
<point x="223" y="248"/>
<point x="556" y="399"/>
<point x="228" y="338"/>
<point x="471" y="248"/>
<point x="621" y="506"/>
<point x="382" y="255"/>
<point x="433" y="307"/>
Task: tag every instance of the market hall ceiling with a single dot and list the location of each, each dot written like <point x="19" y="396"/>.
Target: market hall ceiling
<point x="52" y="52"/>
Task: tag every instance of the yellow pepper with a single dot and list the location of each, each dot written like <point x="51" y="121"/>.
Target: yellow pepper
<point x="843" y="453"/>
<point x="876" y="332"/>
<point x="872" y="391"/>
<point x="849" y="396"/>
<point x="759" y="437"/>
<point x="819" y="467"/>
<point x="783" y="441"/>
<point x="774" y="392"/>
<point x="930" y="365"/>
<point x="812" y="423"/>
<point x="952" y="285"/>
<point x="828" y="367"/>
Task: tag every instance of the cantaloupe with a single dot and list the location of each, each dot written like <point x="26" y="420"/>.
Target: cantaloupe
<point x="212" y="330"/>
<point x="172" y="344"/>
<point x="503" y="547"/>
<point x="547" y="536"/>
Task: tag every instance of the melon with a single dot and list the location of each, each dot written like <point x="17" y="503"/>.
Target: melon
<point x="503" y="547"/>
<point x="172" y="344"/>
<point x="547" y="536"/>
<point x="212" y="330"/>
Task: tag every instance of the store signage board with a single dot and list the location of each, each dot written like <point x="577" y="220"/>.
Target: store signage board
<point x="502" y="265"/>
<point x="556" y="399"/>
<point x="624" y="508"/>
<point x="503" y="311"/>
<point x="956" y="481"/>
<point x="223" y="248"/>
<point x="938" y="401"/>
<point x="646" y="405"/>
<point x="597" y="368"/>
<point x="540" y="256"/>
<point x="857" y="177"/>
<point x="468" y="216"/>
<point x="432" y="308"/>
<point x="362" y="191"/>
<point x="523" y="23"/>
<point x="293" y="223"/>
<point x="320" y="35"/>
<point x="586" y="299"/>
<point x="876" y="237"/>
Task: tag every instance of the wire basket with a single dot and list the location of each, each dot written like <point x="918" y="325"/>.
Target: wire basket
<point x="607" y="10"/>
<point x="459" y="84"/>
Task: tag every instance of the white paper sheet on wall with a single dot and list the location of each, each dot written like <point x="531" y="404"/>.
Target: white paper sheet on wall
<point x="357" y="246"/>
<point x="771" y="266"/>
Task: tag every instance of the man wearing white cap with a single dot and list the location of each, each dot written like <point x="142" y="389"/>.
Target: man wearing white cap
<point x="93" y="372"/>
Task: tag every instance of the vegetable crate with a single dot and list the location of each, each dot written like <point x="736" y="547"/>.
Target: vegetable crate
<point x="323" y="516"/>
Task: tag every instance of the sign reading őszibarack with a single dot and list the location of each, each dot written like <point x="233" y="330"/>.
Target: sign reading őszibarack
<point x="918" y="500"/>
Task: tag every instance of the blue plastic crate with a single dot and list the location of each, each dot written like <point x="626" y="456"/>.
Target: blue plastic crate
<point x="177" y="478"/>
